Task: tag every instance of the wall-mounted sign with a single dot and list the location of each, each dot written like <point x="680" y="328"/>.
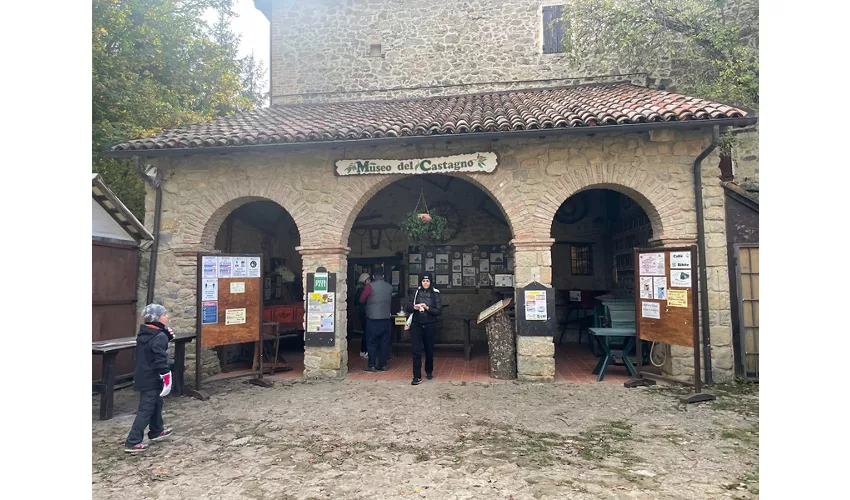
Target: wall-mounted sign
<point x="472" y="162"/>
<point x="237" y="287"/>
<point x="234" y="316"/>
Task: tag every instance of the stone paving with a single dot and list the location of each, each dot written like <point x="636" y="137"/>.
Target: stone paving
<point x="440" y="440"/>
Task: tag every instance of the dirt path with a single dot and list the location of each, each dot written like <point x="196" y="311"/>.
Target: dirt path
<point x="440" y="440"/>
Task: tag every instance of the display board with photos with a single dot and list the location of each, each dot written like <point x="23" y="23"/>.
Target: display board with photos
<point x="461" y="266"/>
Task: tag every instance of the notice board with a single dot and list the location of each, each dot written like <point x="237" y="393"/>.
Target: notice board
<point x="664" y="295"/>
<point x="229" y="299"/>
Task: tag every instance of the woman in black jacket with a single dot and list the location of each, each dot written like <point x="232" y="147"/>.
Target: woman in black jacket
<point x="152" y="377"/>
<point x="427" y="306"/>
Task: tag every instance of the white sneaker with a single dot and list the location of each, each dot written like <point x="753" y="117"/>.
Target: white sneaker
<point x="364" y="355"/>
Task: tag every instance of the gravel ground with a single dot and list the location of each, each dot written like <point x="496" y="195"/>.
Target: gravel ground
<point x="440" y="440"/>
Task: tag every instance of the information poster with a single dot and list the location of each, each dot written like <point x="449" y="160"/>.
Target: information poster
<point x="659" y="288"/>
<point x="680" y="260"/>
<point x="651" y="310"/>
<point x="254" y="269"/>
<point x="240" y="267"/>
<point x="235" y="316"/>
<point x="396" y="277"/>
<point x="680" y="278"/>
<point x="237" y="287"/>
<point x="320" y="312"/>
<point x="677" y="298"/>
<point x="652" y="264"/>
<point x="209" y="313"/>
<point x="645" y="287"/>
<point x="575" y="295"/>
<point x="535" y="305"/>
<point x="225" y="267"/>
<point x="209" y="267"/>
<point x="209" y="290"/>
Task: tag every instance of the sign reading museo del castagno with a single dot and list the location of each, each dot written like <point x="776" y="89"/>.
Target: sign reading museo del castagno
<point x="472" y="162"/>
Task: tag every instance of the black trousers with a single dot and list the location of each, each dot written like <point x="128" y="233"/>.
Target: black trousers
<point x="379" y="332"/>
<point x="149" y="414"/>
<point x="423" y="336"/>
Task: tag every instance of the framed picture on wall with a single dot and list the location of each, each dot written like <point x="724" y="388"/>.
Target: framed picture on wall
<point x="457" y="266"/>
<point x="468" y="281"/>
<point x="504" y="280"/>
<point x="413" y="281"/>
<point x="484" y="265"/>
<point x="442" y="258"/>
<point x="497" y="258"/>
<point x="429" y="264"/>
<point x="457" y="279"/>
<point x="484" y="279"/>
<point x="443" y="268"/>
<point x="442" y="279"/>
<point x="468" y="271"/>
<point x="414" y="268"/>
<point x="467" y="259"/>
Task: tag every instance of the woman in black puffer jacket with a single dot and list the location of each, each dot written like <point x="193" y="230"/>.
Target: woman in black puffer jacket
<point x="427" y="306"/>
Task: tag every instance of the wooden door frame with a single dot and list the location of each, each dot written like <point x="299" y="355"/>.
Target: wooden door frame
<point x="741" y="362"/>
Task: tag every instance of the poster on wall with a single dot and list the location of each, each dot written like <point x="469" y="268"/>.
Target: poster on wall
<point x="235" y="316"/>
<point x="414" y="258"/>
<point x="320" y="312"/>
<point x="484" y="265"/>
<point x="535" y="305"/>
<point x="468" y="271"/>
<point x="645" y="288"/>
<point x="209" y="290"/>
<point x="254" y="268"/>
<point x="680" y="260"/>
<point x="467" y="260"/>
<point x="442" y="279"/>
<point x="209" y="267"/>
<point x="680" y="278"/>
<point x="225" y="267"/>
<point x="677" y="298"/>
<point x="457" y="279"/>
<point x="430" y="264"/>
<point x="442" y="258"/>
<point x="659" y="288"/>
<point x="413" y="281"/>
<point x="237" y="287"/>
<point x="396" y="278"/>
<point x="209" y="313"/>
<point x="650" y="310"/>
<point x="457" y="266"/>
<point x="240" y="267"/>
<point x="652" y="264"/>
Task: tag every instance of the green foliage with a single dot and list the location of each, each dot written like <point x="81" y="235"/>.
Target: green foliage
<point x="424" y="232"/>
<point x="157" y="64"/>
<point x="713" y="43"/>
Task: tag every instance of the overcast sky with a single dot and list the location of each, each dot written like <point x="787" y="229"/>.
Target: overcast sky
<point x="253" y="26"/>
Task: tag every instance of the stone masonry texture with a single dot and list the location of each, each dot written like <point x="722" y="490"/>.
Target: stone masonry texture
<point x="199" y="191"/>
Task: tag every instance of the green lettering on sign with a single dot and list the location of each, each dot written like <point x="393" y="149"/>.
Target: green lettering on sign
<point x="320" y="282"/>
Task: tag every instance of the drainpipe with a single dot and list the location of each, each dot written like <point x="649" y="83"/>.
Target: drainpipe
<point x="153" y="177"/>
<point x="703" y="268"/>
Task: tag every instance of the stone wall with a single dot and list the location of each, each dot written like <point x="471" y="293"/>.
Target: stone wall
<point x="533" y="178"/>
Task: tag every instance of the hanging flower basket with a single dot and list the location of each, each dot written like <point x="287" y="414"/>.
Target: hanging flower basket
<point x="423" y="231"/>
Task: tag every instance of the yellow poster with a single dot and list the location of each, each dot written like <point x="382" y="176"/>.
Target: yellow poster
<point x="677" y="298"/>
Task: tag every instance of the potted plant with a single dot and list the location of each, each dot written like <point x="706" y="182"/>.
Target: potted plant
<point x="425" y="229"/>
<point x="724" y="149"/>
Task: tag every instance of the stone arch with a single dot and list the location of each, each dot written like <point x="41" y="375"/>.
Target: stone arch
<point x="659" y="204"/>
<point x="349" y="203"/>
<point x="203" y="225"/>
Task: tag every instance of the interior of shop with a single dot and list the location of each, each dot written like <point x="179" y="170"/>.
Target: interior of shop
<point x="266" y="228"/>
<point x="595" y="232"/>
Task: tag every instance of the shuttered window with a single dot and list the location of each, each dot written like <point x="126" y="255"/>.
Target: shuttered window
<point x="553" y="29"/>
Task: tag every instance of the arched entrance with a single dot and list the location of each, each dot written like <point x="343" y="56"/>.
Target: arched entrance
<point x="262" y="226"/>
<point x="594" y="232"/>
<point x="464" y="264"/>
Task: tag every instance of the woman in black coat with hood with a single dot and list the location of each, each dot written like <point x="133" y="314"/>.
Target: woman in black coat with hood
<point x="427" y="306"/>
<point x="151" y="378"/>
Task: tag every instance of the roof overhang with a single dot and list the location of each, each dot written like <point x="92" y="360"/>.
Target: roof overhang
<point x="417" y="139"/>
<point x="740" y="194"/>
<point x="117" y="210"/>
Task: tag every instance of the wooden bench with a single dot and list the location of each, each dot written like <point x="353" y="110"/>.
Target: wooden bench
<point x="109" y="349"/>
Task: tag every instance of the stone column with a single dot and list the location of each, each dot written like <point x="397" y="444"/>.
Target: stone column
<point x="328" y="362"/>
<point x="535" y="355"/>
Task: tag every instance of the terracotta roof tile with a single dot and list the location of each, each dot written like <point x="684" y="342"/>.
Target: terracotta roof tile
<point x="514" y="110"/>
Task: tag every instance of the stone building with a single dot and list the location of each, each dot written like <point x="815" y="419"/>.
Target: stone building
<point x="587" y="167"/>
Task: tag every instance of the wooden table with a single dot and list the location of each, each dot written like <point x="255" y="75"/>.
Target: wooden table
<point x="109" y="349"/>
<point x="603" y="339"/>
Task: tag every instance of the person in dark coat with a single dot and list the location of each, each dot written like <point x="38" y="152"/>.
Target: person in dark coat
<point x="362" y="281"/>
<point x="151" y="378"/>
<point x="427" y="307"/>
<point x="378" y="297"/>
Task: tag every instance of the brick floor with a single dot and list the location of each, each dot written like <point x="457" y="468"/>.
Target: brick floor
<point x="573" y="363"/>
